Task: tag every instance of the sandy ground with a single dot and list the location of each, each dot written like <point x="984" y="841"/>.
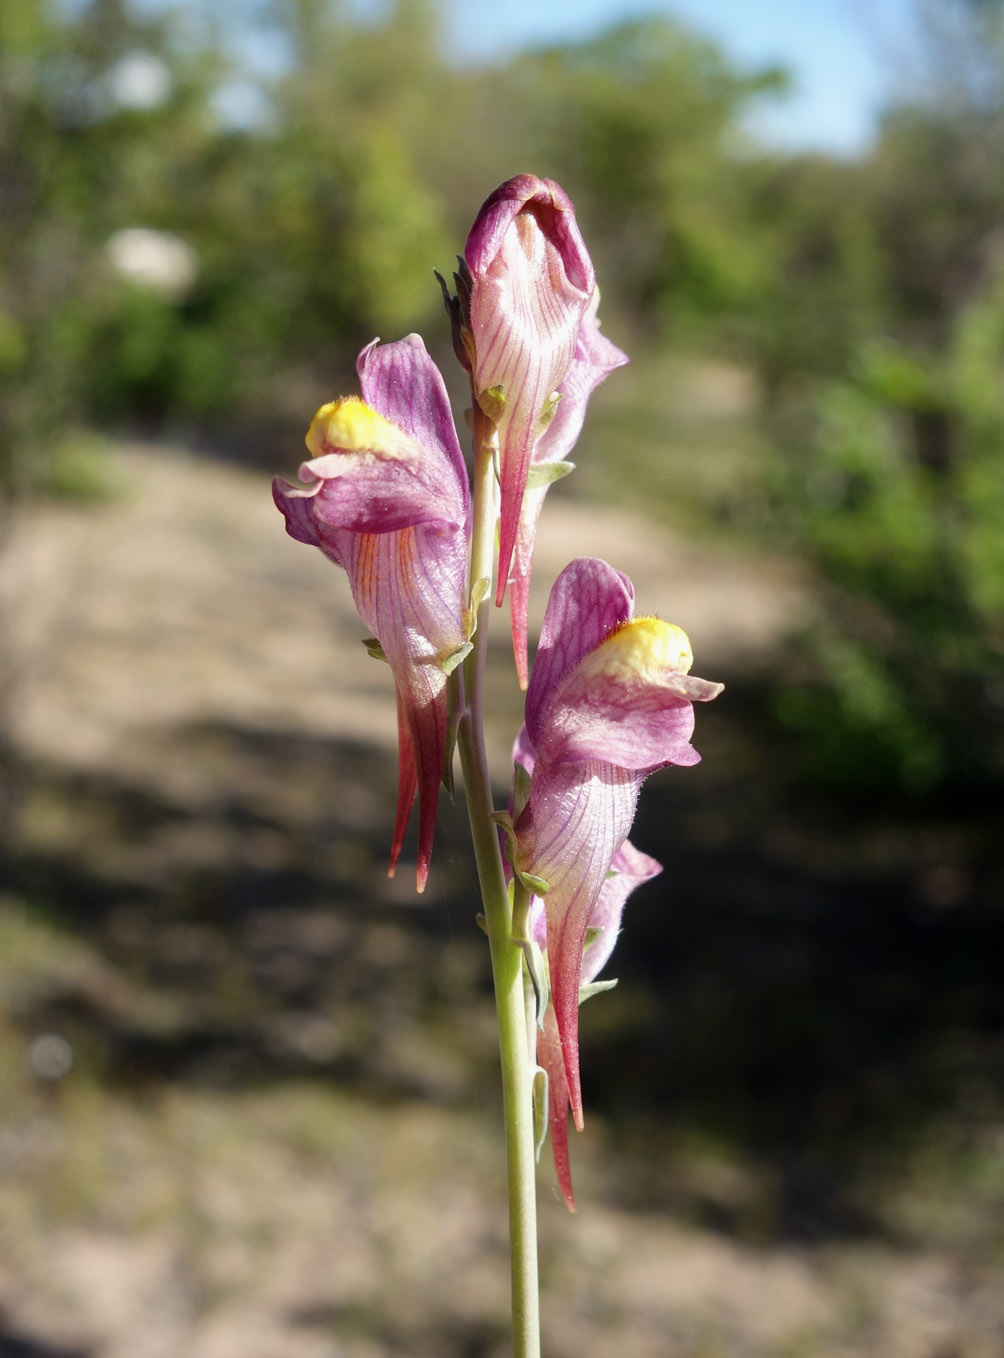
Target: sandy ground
<point x="183" y="598"/>
<point x="173" y="1220"/>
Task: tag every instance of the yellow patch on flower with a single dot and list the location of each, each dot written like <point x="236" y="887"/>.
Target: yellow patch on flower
<point x="643" y="646"/>
<point x="351" y="426"/>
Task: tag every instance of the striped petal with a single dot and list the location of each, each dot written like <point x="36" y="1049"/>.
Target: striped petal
<point x="577" y="817"/>
<point x="610" y="700"/>
<point x="532" y="281"/>
<point x="587" y="601"/>
<point x="594" y="359"/>
<point x="630" y="868"/>
<point x="387" y="499"/>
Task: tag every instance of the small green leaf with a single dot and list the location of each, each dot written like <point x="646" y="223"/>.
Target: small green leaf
<point x="453" y="696"/>
<point x="374" y="648"/>
<point x="548" y="409"/>
<point x="456" y="658"/>
<point x="586" y="992"/>
<point x="469" y="615"/>
<point x="543" y="473"/>
<point x="539" y="1111"/>
<point x="593" y="932"/>
<point x="503" y="820"/>
<point x="492" y="402"/>
<point x="536" y="965"/>
<point x="479" y="590"/>
<point x="520" y="789"/>
<point x="533" y="883"/>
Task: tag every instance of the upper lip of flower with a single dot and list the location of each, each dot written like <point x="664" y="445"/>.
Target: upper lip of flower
<point x="531" y="284"/>
<point x="555" y="213"/>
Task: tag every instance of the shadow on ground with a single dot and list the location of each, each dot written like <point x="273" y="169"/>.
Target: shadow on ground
<point x="15" y="1344"/>
<point x="821" y="982"/>
<point x="807" y="987"/>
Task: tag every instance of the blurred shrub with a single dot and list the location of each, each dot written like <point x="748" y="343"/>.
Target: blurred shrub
<point x="884" y="370"/>
<point x="821" y="262"/>
<point x="866" y="295"/>
<point x="308" y="229"/>
<point x="78" y="467"/>
<point x="313" y="219"/>
<point x="644" y="124"/>
<point x="898" y="502"/>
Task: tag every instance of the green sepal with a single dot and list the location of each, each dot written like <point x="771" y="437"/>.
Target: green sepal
<point x="593" y="932"/>
<point x="504" y="821"/>
<point x="540" y="1111"/>
<point x="534" y="884"/>
<point x="536" y="966"/>
<point x="547" y="411"/>
<point x="456" y="657"/>
<point x="533" y="953"/>
<point x="520" y="789"/>
<point x="479" y="591"/>
<point x="492" y="402"/>
<point x="469" y="615"/>
<point x="374" y="649"/>
<point x="586" y="992"/>
<point x="454" y="694"/>
<point x="543" y="473"/>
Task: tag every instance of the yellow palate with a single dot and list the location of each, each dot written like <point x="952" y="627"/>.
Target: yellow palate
<point x="351" y="426"/>
<point x="639" y="647"/>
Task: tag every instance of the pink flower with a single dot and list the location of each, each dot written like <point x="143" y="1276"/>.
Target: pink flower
<point x="629" y="869"/>
<point x="610" y="700"/>
<point x="388" y="501"/>
<point x="531" y="284"/>
<point x="594" y="359"/>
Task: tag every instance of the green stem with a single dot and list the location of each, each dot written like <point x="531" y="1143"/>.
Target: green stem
<point x="506" y="955"/>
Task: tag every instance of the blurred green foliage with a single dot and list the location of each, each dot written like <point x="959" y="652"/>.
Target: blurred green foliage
<point x="889" y="430"/>
<point x="315" y="214"/>
<point x="309" y="168"/>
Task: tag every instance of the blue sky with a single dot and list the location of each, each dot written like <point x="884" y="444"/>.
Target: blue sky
<point x="844" y="55"/>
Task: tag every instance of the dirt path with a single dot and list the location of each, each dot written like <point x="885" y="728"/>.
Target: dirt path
<point x="183" y="599"/>
<point x="145" y="1216"/>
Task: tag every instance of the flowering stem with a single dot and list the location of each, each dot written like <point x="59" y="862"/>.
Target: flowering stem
<point x="506" y="955"/>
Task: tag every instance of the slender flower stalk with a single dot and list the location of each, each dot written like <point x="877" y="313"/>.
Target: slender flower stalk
<point x="506" y="956"/>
